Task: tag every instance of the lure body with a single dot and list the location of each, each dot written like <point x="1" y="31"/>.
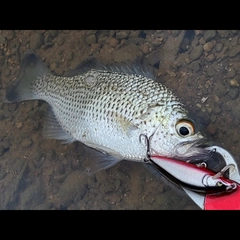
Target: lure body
<point x="193" y="177"/>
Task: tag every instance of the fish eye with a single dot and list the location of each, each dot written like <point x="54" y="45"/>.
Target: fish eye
<point x="185" y="128"/>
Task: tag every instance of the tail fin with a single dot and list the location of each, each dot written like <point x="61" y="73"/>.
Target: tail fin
<point x="32" y="69"/>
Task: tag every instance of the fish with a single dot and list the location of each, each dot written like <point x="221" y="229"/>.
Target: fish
<point x="107" y="108"/>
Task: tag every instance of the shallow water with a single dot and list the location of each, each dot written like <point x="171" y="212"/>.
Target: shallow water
<point x="201" y="67"/>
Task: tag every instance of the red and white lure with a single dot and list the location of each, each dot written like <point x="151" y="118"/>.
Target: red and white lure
<point x="196" y="178"/>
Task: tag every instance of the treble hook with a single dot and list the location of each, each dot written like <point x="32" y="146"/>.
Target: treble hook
<point x="148" y="146"/>
<point x="220" y="174"/>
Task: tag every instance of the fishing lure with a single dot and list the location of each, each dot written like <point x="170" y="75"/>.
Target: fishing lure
<point x="195" y="177"/>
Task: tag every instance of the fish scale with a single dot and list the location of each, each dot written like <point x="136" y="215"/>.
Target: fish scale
<point x="108" y="108"/>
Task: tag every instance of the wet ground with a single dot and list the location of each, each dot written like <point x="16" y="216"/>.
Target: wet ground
<point x="200" y="66"/>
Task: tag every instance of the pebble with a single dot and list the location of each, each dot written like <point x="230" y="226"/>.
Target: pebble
<point x="47" y="37"/>
<point x="208" y="47"/>
<point x="213" y="118"/>
<point x="129" y="52"/>
<point x="2" y="60"/>
<point x="210" y="57"/>
<point x="234" y="51"/>
<point x="36" y="41"/>
<point x="61" y="40"/>
<point x="72" y="187"/>
<point x="217" y="110"/>
<point x="202" y="41"/>
<point x="234" y="41"/>
<point x="175" y="33"/>
<point x="195" y="66"/>
<point x="113" y="42"/>
<point x="219" y="47"/>
<point x="59" y="71"/>
<point x="27" y="142"/>
<point x="231" y="74"/>
<point x="134" y="34"/>
<point x="234" y="83"/>
<point x="53" y="66"/>
<point x="91" y="39"/>
<point x="145" y="49"/>
<point x="10" y="34"/>
<point x="223" y="33"/>
<point x="53" y="32"/>
<point x="210" y="72"/>
<point x="220" y="89"/>
<point x="198" y="32"/>
<point x="233" y="93"/>
<point x="2" y="40"/>
<point x="196" y="52"/>
<point x="122" y="34"/>
<point x="158" y="41"/>
<point x="210" y="34"/>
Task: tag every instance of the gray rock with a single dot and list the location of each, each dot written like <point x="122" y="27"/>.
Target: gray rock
<point x="72" y="187"/>
<point x="234" y="51"/>
<point x="220" y="90"/>
<point x="223" y="33"/>
<point x="2" y="60"/>
<point x="217" y="110"/>
<point x="210" y="34"/>
<point x="175" y="33"/>
<point x="219" y="47"/>
<point x="122" y="34"/>
<point x="213" y="118"/>
<point x="47" y="37"/>
<point x="91" y="39"/>
<point x="61" y="40"/>
<point x="2" y="40"/>
<point x="36" y="41"/>
<point x="10" y="34"/>
<point x="169" y="52"/>
<point x="32" y="196"/>
<point x="26" y="142"/>
<point x="210" y="71"/>
<point x="195" y="66"/>
<point x="196" y="52"/>
<point x="129" y="52"/>
<point x="233" y="93"/>
<point x="208" y="47"/>
<point x="53" y="32"/>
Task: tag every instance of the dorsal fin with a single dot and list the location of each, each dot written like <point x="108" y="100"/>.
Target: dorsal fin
<point x="128" y="68"/>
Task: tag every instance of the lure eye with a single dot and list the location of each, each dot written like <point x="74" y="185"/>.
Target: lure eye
<point x="185" y="128"/>
<point x="219" y="184"/>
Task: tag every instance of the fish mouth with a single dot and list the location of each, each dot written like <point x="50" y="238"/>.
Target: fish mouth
<point x="193" y="151"/>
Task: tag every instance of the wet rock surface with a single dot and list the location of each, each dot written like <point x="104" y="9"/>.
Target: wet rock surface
<point x="201" y="67"/>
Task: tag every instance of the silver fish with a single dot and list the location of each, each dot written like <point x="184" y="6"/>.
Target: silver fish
<point x="108" y="108"/>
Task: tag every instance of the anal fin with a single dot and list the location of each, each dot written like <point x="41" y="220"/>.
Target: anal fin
<point x="53" y="130"/>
